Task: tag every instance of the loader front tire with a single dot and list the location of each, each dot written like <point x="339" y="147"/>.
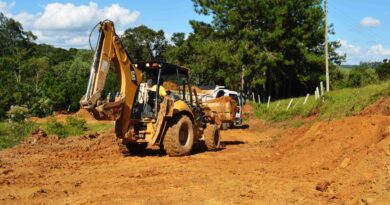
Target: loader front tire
<point x="179" y="138"/>
<point x="212" y="138"/>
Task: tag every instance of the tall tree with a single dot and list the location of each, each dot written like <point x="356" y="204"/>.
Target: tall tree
<point x="144" y="44"/>
<point x="279" y="44"/>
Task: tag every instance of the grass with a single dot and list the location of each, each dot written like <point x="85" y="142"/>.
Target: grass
<point x="99" y="127"/>
<point x="336" y="104"/>
<point x="12" y="134"/>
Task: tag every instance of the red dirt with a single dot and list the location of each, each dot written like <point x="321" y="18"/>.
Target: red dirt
<point x="173" y="86"/>
<point x="380" y="107"/>
<point x="222" y="99"/>
<point x="82" y="113"/>
<point x="344" y="161"/>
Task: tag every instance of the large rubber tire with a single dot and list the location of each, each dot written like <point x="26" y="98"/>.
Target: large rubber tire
<point x="179" y="138"/>
<point x="212" y="138"/>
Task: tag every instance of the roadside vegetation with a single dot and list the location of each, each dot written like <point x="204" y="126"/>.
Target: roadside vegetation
<point x="335" y="104"/>
<point x="14" y="132"/>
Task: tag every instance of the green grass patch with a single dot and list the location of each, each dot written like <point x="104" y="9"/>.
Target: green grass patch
<point x="336" y="104"/>
<point x="98" y="127"/>
<point x="13" y="133"/>
<point x="72" y="127"/>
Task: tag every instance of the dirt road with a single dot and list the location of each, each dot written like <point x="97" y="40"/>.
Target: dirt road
<point x="341" y="161"/>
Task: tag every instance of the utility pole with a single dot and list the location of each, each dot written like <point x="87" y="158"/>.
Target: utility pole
<point x="242" y="78"/>
<point x="326" y="46"/>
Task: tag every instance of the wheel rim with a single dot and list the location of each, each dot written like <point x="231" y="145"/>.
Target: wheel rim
<point x="183" y="134"/>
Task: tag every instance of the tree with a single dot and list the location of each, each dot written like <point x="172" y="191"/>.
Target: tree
<point x="144" y="44"/>
<point x="12" y="36"/>
<point x="383" y="70"/>
<point x="279" y="44"/>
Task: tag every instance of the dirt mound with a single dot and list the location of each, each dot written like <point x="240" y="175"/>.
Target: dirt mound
<point x="349" y="153"/>
<point x="222" y="99"/>
<point x="173" y="86"/>
<point x="380" y="107"/>
<point x="199" y="91"/>
<point x="39" y="136"/>
<point x="82" y="113"/>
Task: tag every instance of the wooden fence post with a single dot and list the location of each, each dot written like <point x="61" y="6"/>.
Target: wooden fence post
<point x="295" y="104"/>
<point x="269" y="99"/>
<point x="277" y="105"/>
<point x="307" y="97"/>
<point x="289" y="104"/>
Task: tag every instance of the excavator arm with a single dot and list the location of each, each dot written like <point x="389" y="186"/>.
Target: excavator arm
<point x="109" y="49"/>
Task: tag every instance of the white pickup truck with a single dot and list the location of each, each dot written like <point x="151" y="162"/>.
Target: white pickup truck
<point x="220" y="91"/>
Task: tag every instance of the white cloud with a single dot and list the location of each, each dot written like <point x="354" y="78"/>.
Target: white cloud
<point x="349" y="48"/>
<point x="68" y="25"/>
<point x="58" y="16"/>
<point x="357" y="54"/>
<point x="379" y="50"/>
<point x="121" y="15"/>
<point x="370" y="22"/>
<point x="77" y="41"/>
<point x="5" y="7"/>
<point x="24" y="18"/>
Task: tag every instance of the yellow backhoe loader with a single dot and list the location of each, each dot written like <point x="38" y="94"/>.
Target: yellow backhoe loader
<point x="155" y="104"/>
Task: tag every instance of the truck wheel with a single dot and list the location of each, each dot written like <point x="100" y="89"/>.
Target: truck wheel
<point x="212" y="138"/>
<point x="179" y="138"/>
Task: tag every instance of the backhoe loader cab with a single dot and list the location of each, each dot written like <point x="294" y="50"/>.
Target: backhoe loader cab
<point x="161" y="80"/>
<point x="154" y="105"/>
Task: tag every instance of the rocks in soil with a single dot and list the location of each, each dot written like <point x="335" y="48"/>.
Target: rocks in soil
<point x="39" y="136"/>
<point x="345" y="163"/>
<point x="322" y="186"/>
<point x="90" y="136"/>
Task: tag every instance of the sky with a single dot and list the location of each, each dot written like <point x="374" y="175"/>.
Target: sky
<point x="361" y="26"/>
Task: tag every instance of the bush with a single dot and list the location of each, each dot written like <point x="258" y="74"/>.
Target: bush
<point x="76" y="122"/>
<point x="13" y="133"/>
<point x="383" y="71"/>
<point x="41" y="106"/>
<point x="57" y="128"/>
<point x="360" y="76"/>
<point x="74" y="126"/>
<point x="18" y="113"/>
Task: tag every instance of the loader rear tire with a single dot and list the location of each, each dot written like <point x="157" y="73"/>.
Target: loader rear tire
<point x="212" y="138"/>
<point x="179" y="138"/>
